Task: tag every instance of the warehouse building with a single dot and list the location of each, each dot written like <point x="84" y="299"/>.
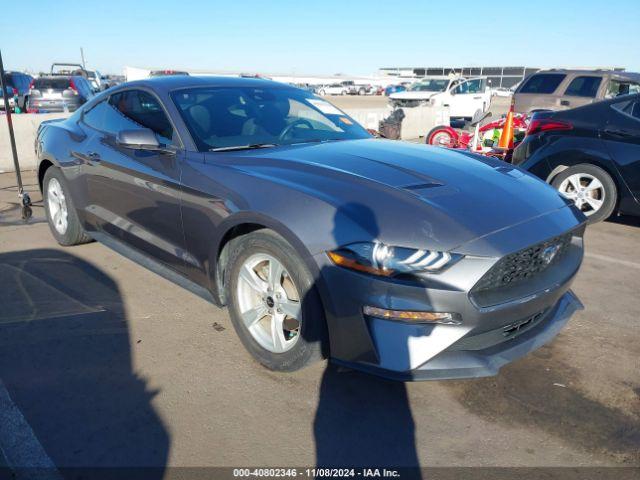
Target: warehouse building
<point x="505" y="77"/>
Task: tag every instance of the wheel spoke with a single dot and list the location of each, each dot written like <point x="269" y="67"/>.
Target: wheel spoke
<point x="569" y="195"/>
<point x="595" y="203"/>
<point x="57" y="217"/>
<point x="249" y="276"/>
<point x="593" y="185"/>
<point x="277" y="334"/>
<point x="253" y="315"/>
<point x="291" y="308"/>
<point x="574" y="180"/>
<point x="275" y="274"/>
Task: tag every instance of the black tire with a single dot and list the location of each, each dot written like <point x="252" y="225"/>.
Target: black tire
<point x="609" y="186"/>
<point x="74" y="233"/>
<point x="311" y="343"/>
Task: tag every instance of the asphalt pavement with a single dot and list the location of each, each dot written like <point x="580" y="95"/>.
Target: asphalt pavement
<point x="104" y="363"/>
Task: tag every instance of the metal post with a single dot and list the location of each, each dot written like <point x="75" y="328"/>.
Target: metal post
<point x="82" y="56"/>
<point x="24" y="197"/>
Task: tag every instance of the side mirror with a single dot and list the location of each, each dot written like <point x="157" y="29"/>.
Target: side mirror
<point x="140" y="139"/>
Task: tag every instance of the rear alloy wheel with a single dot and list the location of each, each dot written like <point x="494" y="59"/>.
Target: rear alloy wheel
<point x="61" y="214"/>
<point x="273" y="303"/>
<point x="591" y="189"/>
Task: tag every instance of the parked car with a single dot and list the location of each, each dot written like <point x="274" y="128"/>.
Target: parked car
<point x="406" y="261"/>
<point x="591" y="154"/>
<point x="93" y="77"/>
<point x="57" y="93"/>
<point x="564" y="89"/>
<point x="394" y="88"/>
<point x="17" y="85"/>
<point x="162" y="73"/>
<point x="109" y="81"/>
<point x="333" y="89"/>
<point x="465" y="97"/>
<point x="362" y="89"/>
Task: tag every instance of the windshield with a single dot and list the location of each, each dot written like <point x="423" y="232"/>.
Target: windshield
<point x="220" y="117"/>
<point x="430" y="86"/>
<point x="43" y="83"/>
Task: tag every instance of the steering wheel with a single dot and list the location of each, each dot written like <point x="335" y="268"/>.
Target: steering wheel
<point x="290" y="127"/>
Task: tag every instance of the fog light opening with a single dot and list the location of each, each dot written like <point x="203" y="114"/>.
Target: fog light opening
<point x="413" y="316"/>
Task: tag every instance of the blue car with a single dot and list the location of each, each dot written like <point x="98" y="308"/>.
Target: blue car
<point x="394" y="89"/>
<point x="403" y="260"/>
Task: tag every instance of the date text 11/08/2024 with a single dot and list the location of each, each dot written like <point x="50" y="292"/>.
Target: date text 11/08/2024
<point x="316" y="472"/>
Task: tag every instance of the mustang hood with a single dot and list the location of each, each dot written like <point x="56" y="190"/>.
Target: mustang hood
<point x="414" y="193"/>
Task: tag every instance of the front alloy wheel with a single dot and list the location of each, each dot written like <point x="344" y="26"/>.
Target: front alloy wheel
<point x="269" y="303"/>
<point x="273" y="303"/>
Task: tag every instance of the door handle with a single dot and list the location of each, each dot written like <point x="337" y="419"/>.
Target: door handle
<point x="618" y="133"/>
<point x="477" y="98"/>
<point x="93" y="156"/>
<point x="565" y="103"/>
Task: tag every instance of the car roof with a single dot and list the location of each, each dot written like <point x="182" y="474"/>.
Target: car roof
<point x="613" y="73"/>
<point x="176" y="82"/>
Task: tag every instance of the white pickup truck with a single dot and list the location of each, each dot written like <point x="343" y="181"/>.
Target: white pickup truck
<point x="464" y="96"/>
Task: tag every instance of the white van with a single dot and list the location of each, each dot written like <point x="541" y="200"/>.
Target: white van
<point x="464" y="96"/>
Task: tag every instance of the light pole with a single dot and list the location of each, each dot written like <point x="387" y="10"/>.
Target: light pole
<point x="24" y="197"/>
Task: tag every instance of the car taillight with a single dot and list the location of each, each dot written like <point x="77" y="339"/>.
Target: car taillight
<point x="72" y="86"/>
<point x="546" y="125"/>
<point x="15" y="92"/>
<point x="32" y="85"/>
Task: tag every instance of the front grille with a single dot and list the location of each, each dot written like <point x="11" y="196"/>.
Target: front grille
<point x="526" y="263"/>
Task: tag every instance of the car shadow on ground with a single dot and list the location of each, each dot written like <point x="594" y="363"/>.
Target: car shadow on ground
<point x="65" y="360"/>
<point x="363" y="420"/>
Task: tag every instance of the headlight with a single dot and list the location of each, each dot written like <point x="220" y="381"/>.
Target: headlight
<point x="380" y="259"/>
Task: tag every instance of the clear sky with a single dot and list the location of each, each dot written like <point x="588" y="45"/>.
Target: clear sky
<point x="322" y="37"/>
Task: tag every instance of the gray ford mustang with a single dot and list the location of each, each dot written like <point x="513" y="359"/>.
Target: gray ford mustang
<point x="398" y="259"/>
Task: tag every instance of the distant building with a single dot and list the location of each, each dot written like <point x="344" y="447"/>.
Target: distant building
<point x="497" y="76"/>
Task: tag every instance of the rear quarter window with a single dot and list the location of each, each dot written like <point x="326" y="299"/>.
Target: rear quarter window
<point x="630" y="108"/>
<point x="584" y="86"/>
<point x="542" y="83"/>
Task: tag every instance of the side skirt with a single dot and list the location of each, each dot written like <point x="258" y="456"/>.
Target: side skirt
<point x="141" y="259"/>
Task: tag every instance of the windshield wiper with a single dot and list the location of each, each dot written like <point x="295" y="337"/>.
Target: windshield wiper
<point x="243" y="147"/>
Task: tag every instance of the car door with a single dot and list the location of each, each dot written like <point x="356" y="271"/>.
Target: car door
<point x="134" y="194"/>
<point x="622" y="137"/>
<point x="467" y="98"/>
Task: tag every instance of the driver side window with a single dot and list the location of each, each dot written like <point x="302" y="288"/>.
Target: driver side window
<point x="137" y="108"/>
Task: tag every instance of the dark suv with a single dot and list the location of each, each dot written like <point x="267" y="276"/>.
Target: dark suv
<point x="563" y="89"/>
<point x="57" y="93"/>
<point x="17" y="84"/>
